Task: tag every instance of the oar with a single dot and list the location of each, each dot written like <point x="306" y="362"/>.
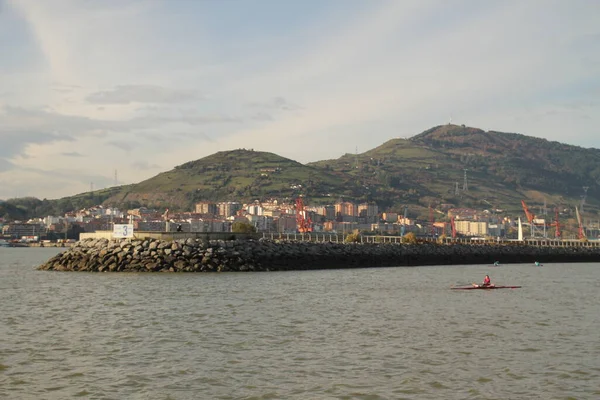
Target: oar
<point x="462" y="284"/>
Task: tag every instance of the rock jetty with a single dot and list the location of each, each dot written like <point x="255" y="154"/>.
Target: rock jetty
<point x="197" y="255"/>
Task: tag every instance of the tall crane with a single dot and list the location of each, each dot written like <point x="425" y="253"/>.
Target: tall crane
<point x="453" y="226"/>
<point x="530" y="217"/>
<point x="303" y="222"/>
<point x="556" y="225"/>
<point x="581" y="234"/>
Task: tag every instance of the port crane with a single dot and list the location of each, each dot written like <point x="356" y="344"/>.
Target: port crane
<point x="303" y="222"/>
<point x="556" y="225"/>
<point x="531" y="219"/>
<point x="581" y="233"/>
<point x="453" y="226"/>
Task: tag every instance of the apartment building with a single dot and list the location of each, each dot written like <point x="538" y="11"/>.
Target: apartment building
<point x="206" y="207"/>
<point x="389" y="217"/>
<point x="471" y="228"/>
<point x="345" y="212"/>
<point x="262" y="223"/>
<point x="254" y="209"/>
<point x="327" y="211"/>
<point x="18" y="230"/>
<point x="369" y="212"/>
<point x="286" y="223"/>
<point x="228" y="208"/>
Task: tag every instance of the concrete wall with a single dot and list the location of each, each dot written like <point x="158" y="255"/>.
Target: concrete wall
<point x="331" y="237"/>
<point x="173" y="235"/>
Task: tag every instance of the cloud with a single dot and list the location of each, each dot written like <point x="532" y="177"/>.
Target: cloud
<point x="25" y="119"/>
<point x="126" y="94"/>
<point x="276" y="103"/>
<point x="71" y="154"/>
<point x="51" y="182"/>
<point x="5" y="165"/>
<point x="204" y="120"/>
<point x="20" y="128"/>
<point x="126" y="146"/>
<point x="144" y="165"/>
<point x="190" y="136"/>
<point x="261" y="116"/>
<point x="15" y="139"/>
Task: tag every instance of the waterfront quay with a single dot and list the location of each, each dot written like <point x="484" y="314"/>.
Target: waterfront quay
<point x="326" y="237"/>
<point x="222" y="252"/>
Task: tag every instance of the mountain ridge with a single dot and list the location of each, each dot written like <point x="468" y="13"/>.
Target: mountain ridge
<point x="446" y="164"/>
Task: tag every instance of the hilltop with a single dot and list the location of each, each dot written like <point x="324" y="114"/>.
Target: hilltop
<point x="500" y="168"/>
<point x="426" y="169"/>
<point x="231" y="175"/>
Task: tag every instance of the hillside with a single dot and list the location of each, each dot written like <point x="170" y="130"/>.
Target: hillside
<point x="501" y="170"/>
<point x="232" y="175"/>
<point x="427" y="169"/>
<point x="9" y="210"/>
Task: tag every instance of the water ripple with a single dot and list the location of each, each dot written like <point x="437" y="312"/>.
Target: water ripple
<point x="344" y="334"/>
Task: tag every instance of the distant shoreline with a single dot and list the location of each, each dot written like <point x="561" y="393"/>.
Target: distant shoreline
<point x="36" y="245"/>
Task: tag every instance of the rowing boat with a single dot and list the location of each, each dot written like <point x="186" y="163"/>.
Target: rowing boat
<point x="485" y="287"/>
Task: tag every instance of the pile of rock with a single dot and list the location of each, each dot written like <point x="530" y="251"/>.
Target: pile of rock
<point x="197" y="255"/>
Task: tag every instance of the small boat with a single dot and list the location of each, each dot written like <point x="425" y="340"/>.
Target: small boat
<point x="485" y="287"/>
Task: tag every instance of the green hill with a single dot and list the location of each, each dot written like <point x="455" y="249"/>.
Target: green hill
<point x="501" y="170"/>
<point x="428" y="169"/>
<point x="232" y="175"/>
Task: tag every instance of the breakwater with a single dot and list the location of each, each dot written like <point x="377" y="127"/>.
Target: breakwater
<point x="197" y="255"/>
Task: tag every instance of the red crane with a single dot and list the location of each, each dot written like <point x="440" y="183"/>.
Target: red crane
<point x="581" y="233"/>
<point x="303" y="222"/>
<point x="530" y="217"/>
<point x="453" y="226"/>
<point x="556" y="224"/>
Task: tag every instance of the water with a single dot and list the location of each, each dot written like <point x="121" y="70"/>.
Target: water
<point x="382" y="333"/>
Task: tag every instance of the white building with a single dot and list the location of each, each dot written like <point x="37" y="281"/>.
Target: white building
<point x="51" y="220"/>
<point x="254" y="209"/>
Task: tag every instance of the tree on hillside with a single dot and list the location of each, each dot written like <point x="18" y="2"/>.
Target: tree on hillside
<point x="242" y="227"/>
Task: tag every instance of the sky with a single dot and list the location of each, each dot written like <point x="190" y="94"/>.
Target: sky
<point x="95" y="94"/>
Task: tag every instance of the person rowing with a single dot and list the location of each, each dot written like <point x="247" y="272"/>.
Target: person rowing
<point x="486" y="282"/>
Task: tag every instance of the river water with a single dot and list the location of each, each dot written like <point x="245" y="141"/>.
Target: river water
<point x="376" y="333"/>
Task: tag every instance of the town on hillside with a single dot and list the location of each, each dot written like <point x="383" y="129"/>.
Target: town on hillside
<point x="273" y="216"/>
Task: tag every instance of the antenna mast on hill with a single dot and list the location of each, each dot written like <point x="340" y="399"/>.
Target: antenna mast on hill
<point x="456" y="189"/>
<point x="545" y="210"/>
<point x="465" y="184"/>
<point x="585" y="189"/>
